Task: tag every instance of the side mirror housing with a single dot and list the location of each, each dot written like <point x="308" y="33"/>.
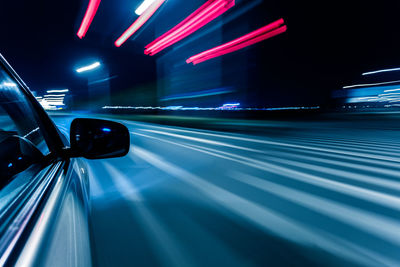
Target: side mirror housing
<point x="98" y="139"/>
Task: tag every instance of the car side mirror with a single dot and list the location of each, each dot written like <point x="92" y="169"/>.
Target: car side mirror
<point x="98" y="139"/>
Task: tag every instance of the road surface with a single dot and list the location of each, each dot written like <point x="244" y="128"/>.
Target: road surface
<point x="307" y="196"/>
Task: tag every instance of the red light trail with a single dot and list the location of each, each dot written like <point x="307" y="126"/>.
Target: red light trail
<point x="146" y="15"/>
<point x="88" y="18"/>
<point x="256" y="36"/>
<point x="199" y="18"/>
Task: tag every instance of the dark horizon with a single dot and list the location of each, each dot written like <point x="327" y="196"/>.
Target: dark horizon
<point x="326" y="47"/>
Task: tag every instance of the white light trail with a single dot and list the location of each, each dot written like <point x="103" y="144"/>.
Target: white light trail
<point x="89" y="67"/>
<point x="166" y="245"/>
<point x="369" y="195"/>
<point x="380" y="71"/>
<point x="54" y="99"/>
<point x="201" y="140"/>
<point x="58" y="91"/>
<point x="372" y="223"/>
<point x="9" y="84"/>
<point x="142" y="8"/>
<point x="368" y="84"/>
<point x="392" y="90"/>
<point x="390" y="94"/>
<point x="56" y="104"/>
<point x="61" y="95"/>
<point x="266" y="219"/>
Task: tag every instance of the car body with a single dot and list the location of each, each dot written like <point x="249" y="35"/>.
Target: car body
<point x="44" y="194"/>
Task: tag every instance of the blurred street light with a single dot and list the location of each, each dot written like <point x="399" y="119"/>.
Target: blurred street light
<point x="57" y="91"/>
<point x="142" y="8"/>
<point x="93" y="66"/>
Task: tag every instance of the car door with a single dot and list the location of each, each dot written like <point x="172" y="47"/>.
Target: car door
<point x="43" y="195"/>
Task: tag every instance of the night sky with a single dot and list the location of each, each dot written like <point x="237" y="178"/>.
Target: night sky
<point x="328" y="44"/>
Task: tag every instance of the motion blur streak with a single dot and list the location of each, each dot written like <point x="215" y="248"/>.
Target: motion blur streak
<point x="202" y="140"/>
<point x="301" y="146"/>
<point x="201" y="17"/>
<point x="8" y="84"/>
<point x="254" y="37"/>
<point x="139" y="22"/>
<point x="89" y="15"/>
<point x="161" y="239"/>
<point x="325" y="183"/>
<point x="369" y="84"/>
<point x="380" y="71"/>
<point x="58" y="91"/>
<point x="184" y="193"/>
<point x="143" y="6"/>
<point x="89" y="67"/>
<point x="368" y="179"/>
<point x="392" y="90"/>
<point x="375" y="224"/>
<point x="125" y="188"/>
<point x="266" y="219"/>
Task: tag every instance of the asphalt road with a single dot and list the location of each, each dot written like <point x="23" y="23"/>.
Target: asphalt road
<point x="307" y="196"/>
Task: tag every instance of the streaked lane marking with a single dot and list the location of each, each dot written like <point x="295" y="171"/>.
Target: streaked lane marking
<point x="231" y="135"/>
<point x="281" y="144"/>
<point x="340" y="173"/>
<point x="365" y="146"/>
<point x="266" y="219"/>
<point x="166" y="246"/>
<point x="383" y="164"/>
<point x="375" y="224"/>
<point x="201" y="140"/>
<point x="340" y="163"/>
<point x="386" y="200"/>
<point x="296" y="139"/>
<point x="356" y="166"/>
<point x="121" y="182"/>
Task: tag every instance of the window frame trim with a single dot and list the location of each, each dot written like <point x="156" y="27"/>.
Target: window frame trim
<point x="50" y="133"/>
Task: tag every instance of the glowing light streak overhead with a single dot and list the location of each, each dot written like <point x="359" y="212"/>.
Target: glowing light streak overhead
<point x="198" y="19"/>
<point x="89" y="67"/>
<point x="380" y="71"/>
<point x="88" y="18"/>
<point x="389" y="94"/>
<point x="368" y="84"/>
<point x="194" y="25"/>
<point x="56" y="103"/>
<point x="60" y="95"/>
<point x="241" y="46"/>
<point x="9" y="84"/>
<point x="54" y="99"/>
<point x="57" y="91"/>
<point x="392" y="90"/>
<point x="139" y="22"/>
<point x="254" y="37"/>
<point x="143" y="7"/>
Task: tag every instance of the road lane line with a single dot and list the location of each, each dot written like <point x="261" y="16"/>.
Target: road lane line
<point x="231" y="135"/>
<point x="281" y="144"/>
<point x="384" y="183"/>
<point x="384" y="228"/>
<point x="266" y="219"/>
<point x="206" y="141"/>
<point x="340" y="163"/>
<point x="386" y="200"/>
<point x="356" y="166"/>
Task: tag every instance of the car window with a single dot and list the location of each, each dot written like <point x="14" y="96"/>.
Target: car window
<point x="21" y="140"/>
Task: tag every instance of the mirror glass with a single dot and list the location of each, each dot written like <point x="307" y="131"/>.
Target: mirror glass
<point x="97" y="139"/>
